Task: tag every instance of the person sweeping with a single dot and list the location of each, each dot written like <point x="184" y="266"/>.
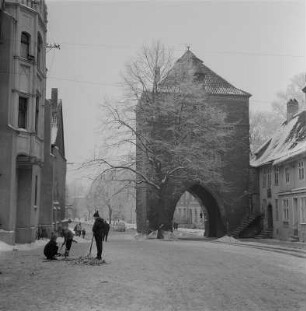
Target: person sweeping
<point x="98" y="229"/>
<point x="68" y="239"/>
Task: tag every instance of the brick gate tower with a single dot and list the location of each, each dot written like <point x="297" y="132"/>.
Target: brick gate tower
<point x="224" y="206"/>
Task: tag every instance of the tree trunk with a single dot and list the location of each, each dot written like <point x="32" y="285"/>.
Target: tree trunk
<point x="164" y="222"/>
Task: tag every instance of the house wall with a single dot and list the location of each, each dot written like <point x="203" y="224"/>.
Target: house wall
<point x="59" y="182"/>
<point x="236" y="159"/>
<point x="7" y="161"/>
<point x="46" y="210"/>
<point x="286" y="198"/>
<point x="23" y="146"/>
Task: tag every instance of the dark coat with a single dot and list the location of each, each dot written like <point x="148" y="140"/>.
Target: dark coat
<point x="98" y="228"/>
<point x="50" y="249"/>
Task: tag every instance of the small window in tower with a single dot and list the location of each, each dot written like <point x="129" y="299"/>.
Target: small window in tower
<point x="36" y="192"/>
<point x="22" y="112"/>
<point x="36" y="114"/>
<point x="25" y="45"/>
<point x="39" y="51"/>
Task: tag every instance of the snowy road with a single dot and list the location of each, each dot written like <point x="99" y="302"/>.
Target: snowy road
<point x="155" y="275"/>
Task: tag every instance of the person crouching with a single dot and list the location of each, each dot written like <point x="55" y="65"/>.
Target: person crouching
<point x="51" y="248"/>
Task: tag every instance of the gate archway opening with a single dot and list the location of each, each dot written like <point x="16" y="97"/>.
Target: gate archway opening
<point x="208" y="205"/>
<point x="190" y="213"/>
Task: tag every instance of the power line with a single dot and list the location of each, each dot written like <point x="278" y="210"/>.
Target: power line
<point x="109" y="46"/>
<point x="86" y="82"/>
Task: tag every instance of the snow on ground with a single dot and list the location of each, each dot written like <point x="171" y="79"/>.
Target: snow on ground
<point x="227" y="239"/>
<point x="4" y="247"/>
<point x="186" y="231"/>
<point x="193" y="275"/>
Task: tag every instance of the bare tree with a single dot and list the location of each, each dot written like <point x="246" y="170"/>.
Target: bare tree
<point x="264" y="124"/>
<point x="111" y="190"/>
<point x="293" y="91"/>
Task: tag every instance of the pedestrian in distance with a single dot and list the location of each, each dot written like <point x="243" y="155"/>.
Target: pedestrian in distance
<point x="83" y="233"/>
<point x="105" y="231"/>
<point x="68" y="239"/>
<point x="98" y="232"/>
<point x="51" y="248"/>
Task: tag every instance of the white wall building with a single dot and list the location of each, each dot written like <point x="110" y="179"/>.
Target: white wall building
<point x="281" y="164"/>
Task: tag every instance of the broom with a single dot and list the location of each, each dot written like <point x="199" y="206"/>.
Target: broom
<point x="89" y="253"/>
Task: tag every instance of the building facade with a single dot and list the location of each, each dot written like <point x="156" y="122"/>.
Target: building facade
<point x="281" y="167"/>
<point x="23" y="27"/>
<point x="189" y="213"/>
<point x="54" y="168"/>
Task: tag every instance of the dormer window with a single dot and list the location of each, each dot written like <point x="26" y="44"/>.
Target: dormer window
<point x="25" y="45"/>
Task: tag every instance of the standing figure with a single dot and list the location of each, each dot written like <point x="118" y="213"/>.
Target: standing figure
<point x="105" y="231"/>
<point x="51" y="248"/>
<point x="83" y="233"/>
<point x="68" y="239"/>
<point x="97" y="230"/>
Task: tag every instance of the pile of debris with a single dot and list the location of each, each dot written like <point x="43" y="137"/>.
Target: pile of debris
<point x="227" y="239"/>
<point x="87" y="260"/>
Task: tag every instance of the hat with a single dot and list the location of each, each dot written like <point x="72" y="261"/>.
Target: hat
<point x="96" y="214"/>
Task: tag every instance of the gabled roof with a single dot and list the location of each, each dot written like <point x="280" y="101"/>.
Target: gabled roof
<point x="287" y="143"/>
<point x="189" y="68"/>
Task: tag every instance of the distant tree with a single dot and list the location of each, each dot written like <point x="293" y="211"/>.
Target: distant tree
<point x="172" y="126"/>
<point x="105" y="190"/>
<point x="294" y="90"/>
<point x="263" y="124"/>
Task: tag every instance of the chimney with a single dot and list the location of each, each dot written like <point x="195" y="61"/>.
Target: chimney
<point x="54" y="97"/>
<point x="292" y="108"/>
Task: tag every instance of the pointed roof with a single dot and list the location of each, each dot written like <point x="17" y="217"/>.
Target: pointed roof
<point x="189" y="68"/>
<point x="287" y="143"/>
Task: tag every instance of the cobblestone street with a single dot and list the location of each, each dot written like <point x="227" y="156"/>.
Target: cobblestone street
<point x="156" y="275"/>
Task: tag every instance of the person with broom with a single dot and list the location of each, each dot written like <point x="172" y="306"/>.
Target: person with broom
<point x="68" y="239"/>
<point x="98" y="233"/>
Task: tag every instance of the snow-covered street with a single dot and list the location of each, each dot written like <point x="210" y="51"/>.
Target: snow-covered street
<point x="148" y="275"/>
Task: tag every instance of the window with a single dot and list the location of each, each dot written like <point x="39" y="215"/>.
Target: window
<point x="303" y="210"/>
<point x="285" y="210"/>
<point x="22" y="112"/>
<point x="35" y="192"/>
<point x="39" y="51"/>
<point x="276" y="175"/>
<point x="269" y="177"/>
<point x="264" y="205"/>
<point x="301" y="170"/>
<point x="25" y="45"/>
<point x="287" y="175"/>
<point x="36" y="114"/>
<point x="276" y="210"/>
<point x="264" y="178"/>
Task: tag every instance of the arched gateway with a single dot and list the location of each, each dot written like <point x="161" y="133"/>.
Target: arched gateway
<point x="209" y="204"/>
<point x="226" y="202"/>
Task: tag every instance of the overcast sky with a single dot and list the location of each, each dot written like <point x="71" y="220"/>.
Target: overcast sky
<point x="258" y="46"/>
